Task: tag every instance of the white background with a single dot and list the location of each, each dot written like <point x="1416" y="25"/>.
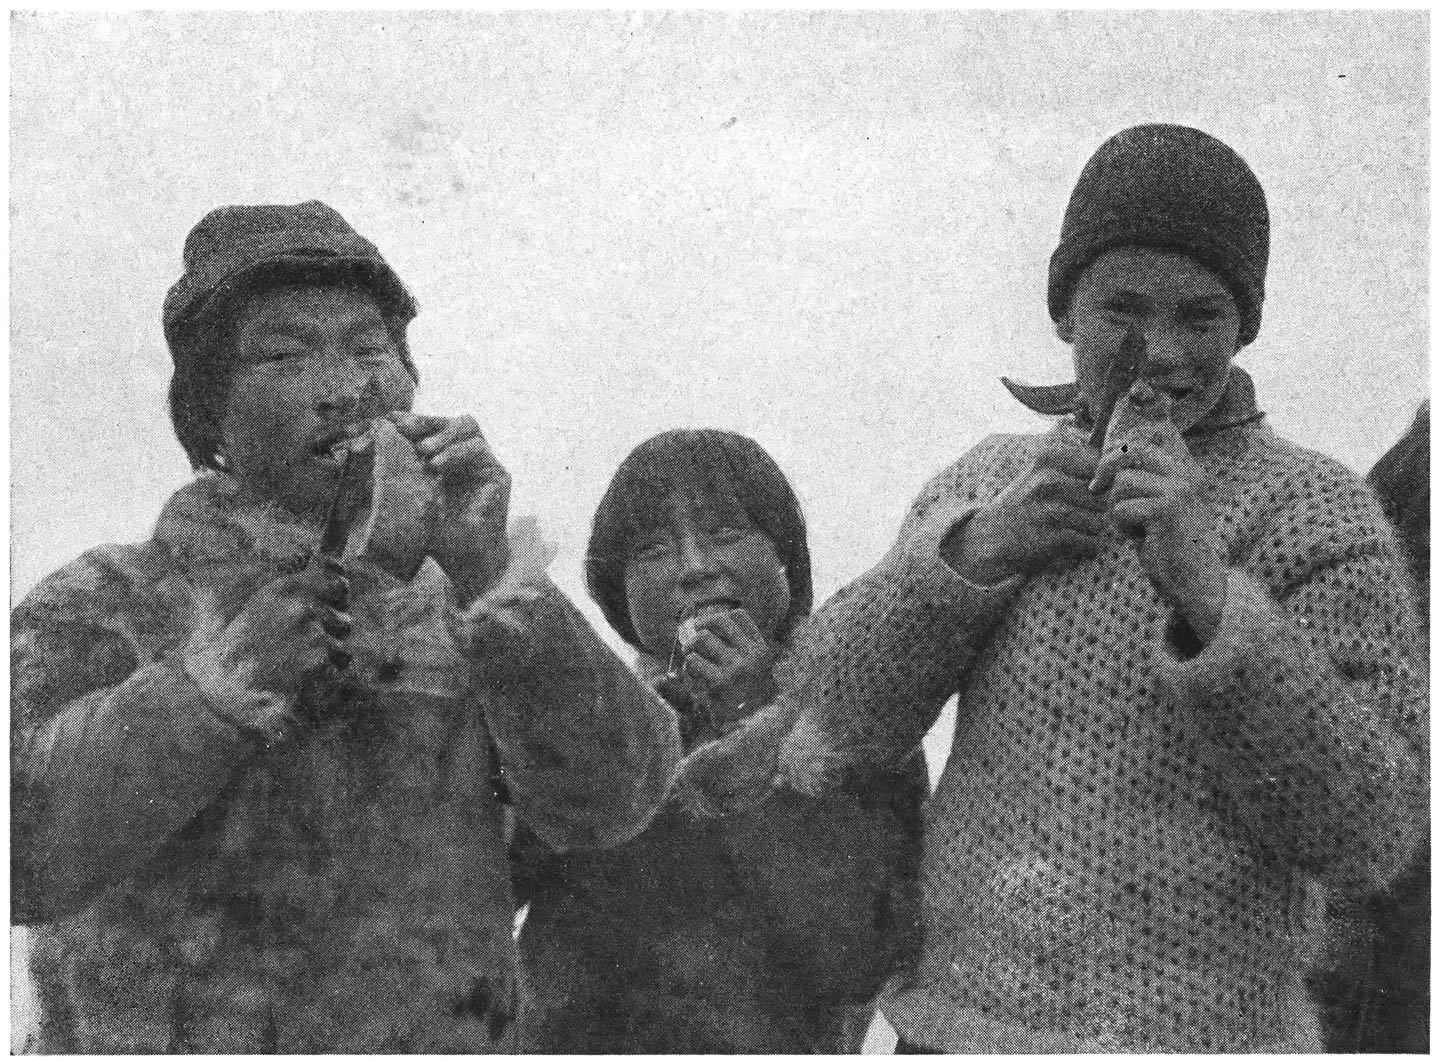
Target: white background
<point x="825" y="230"/>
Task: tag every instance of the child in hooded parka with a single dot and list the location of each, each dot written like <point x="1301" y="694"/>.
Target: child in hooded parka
<point x="1185" y="655"/>
<point x="767" y="932"/>
<point x="256" y="794"/>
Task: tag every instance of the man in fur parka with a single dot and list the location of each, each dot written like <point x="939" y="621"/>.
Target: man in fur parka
<point x="258" y="761"/>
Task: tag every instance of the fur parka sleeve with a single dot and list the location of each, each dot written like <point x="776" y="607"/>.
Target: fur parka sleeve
<point x="113" y="748"/>
<point x="586" y="751"/>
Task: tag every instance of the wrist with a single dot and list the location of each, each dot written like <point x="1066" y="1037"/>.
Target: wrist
<point x="1203" y="607"/>
<point x="262" y="714"/>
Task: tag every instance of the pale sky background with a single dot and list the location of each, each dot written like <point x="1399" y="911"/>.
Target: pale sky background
<point x="825" y="230"/>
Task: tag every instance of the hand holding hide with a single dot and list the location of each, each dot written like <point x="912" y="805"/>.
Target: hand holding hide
<point x="468" y="536"/>
<point x="729" y="662"/>
<point x="288" y="638"/>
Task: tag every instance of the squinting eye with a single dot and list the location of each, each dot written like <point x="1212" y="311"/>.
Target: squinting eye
<point x="728" y="535"/>
<point x="650" y="551"/>
<point x="292" y="354"/>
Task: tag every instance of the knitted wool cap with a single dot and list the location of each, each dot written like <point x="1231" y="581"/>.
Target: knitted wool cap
<point x="1173" y="188"/>
<point x="232" y="242"/>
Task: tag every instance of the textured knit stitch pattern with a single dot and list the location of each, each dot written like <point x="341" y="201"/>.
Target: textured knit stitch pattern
<point x="1129" y="846"/>
<point x="342" y="889"/>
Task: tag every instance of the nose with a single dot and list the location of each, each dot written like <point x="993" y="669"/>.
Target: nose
<point x="342" y="393"/>
<point x="334" y="402"/>
<point x="697" y="559"/>
<point x="1164" y="349"/>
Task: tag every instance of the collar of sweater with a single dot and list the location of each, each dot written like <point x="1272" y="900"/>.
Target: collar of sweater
<point x="1235" y="408"/>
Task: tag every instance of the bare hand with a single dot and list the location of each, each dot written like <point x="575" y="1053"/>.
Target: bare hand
<point x="289" y="638"/>
<point x="1047" y="516"/>
<point x="468" y="540"/>
<point x="731" y="663"/>
<point x="1158" y="495"/>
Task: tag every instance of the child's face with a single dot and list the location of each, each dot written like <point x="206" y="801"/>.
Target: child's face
<point x="1188" y="318"/>
<point x="701" y="558"/>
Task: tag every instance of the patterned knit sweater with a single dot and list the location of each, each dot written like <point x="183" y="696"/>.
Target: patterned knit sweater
<point x="345" y="889"/>
<point x="766" y="932"/>
<point x="1129" y="848"/>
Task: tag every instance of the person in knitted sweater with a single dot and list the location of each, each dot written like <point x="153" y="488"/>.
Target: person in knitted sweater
<point x="767" y="932"/>
<point x="256" y="792"/>
<point x="1186" y="664"/>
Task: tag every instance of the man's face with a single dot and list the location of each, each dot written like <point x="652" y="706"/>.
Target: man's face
<point x="311" y="365"/>
<point x="1186" y="315"/>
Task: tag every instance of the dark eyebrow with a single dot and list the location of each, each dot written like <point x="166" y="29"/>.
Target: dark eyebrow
<point x="308" y="330"/>
<point x="368" y="323"/>
<point x="287" y="330"/>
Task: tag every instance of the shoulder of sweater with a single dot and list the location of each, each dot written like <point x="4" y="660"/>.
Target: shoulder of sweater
<point x="993" y="460"/>
<point x="1305" y="511"/>
<point x="1290" y="474"/>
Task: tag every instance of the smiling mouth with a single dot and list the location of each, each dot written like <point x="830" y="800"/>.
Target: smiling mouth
<point x="709" y="606"/>
<point x="1176" y="392"/>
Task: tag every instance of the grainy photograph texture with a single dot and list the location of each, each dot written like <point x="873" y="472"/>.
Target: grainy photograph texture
<point x="697" y="532"/>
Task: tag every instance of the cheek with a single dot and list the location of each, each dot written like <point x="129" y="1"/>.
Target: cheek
<point x="649" y="602"/>
<point x="768" y="588"/>
<point x="1210" y="358"/>
<point x="1217" y="355"/>
<point x="396" y="390"/>
<point x="779" y="600"/>
<point x="255" y="410"/>
<point x="1091" y="360"/>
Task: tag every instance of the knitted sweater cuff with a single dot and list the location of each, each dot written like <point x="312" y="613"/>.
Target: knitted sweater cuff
<point x="1312" y="763"/>
<point x="927" y="577"/>
<point x="880" y="659"/>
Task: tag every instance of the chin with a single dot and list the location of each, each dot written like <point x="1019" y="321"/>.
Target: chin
<point x="1194" y="410"/>
<point x="306" y="490"/>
